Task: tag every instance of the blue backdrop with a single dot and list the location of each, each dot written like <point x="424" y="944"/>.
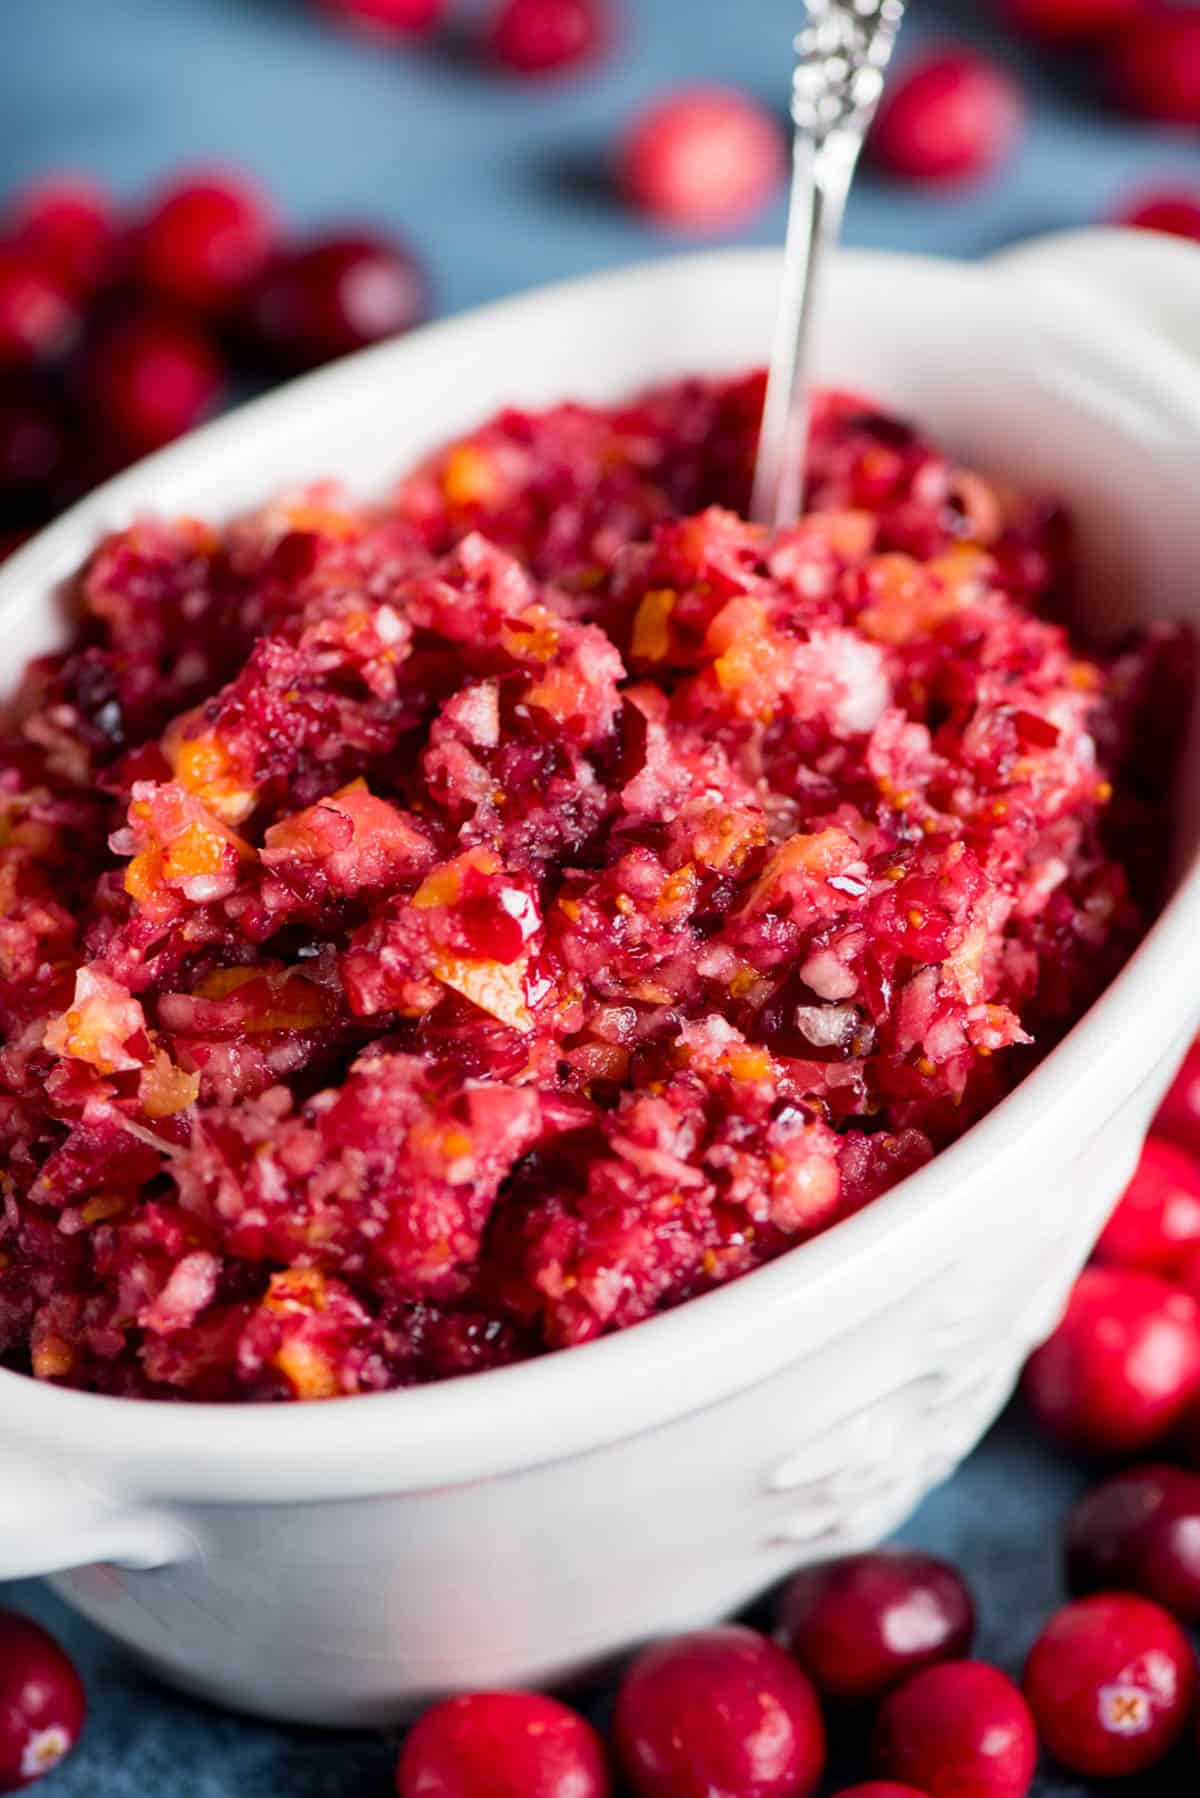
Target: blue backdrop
<point x="501" y="186"/>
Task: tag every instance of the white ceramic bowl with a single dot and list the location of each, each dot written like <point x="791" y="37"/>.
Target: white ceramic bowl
<point x="338" y="1563"/>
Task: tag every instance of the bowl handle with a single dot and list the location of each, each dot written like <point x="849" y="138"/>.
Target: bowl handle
<point x="1155" y="277"/>
<point x="51" y="1520"/>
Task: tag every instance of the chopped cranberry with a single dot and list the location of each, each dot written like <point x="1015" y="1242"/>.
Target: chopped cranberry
<point x="387" y="18"/>
<point x="69" y="222"/>
<point x="206" y="236"/>
<point x="502" y="1745"/>
<point x="540" y="37"/>
<point x="952" y="116"/>
<point x="1111" y="1681"/>
<point x="34" y="445"/>
<point x="723" y="1710"/>
<point x="1139" y="1531"/>
<point x="38" y="314"/>
<point x="149" y="377"/>
<point x="1122" y="1365"/>
<point x="1179" y="1114"/>
<point x="861" y="1624"/>
<point x="1068" y="21"/>
<point x="1157" y="1220"/>
<point x="1154" y="64"/>
<point x="705" y="159"/>
<point x="497" y="926"/>
<point x="42" y="1702"/>
<point x="336" y="295"/>
<point x="958" y="1730"/>
<point x="1173" y="210"/>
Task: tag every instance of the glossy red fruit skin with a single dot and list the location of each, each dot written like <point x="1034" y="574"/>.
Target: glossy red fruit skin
<point x="861" y="1624"/>
<point x="1069" y="21"/>
<point x="1122" y="1366"/>
<point x="333" y="296"/>
<point x="69" y="222"/>
<point x="1111" y="1681"/>
<point x="42" y="1703"/>
<point x="957" y="1730"/>
<point x="1157" y="1219"/>
<point x="881" y="1788"/>
<point x="953" y="116"/>
<point x="39" y="315"/>
<point x="721" y="1710"/>
<point x="502" y="1745"/>
<point x="1179" y="1114"/>
<point x="204" y="240"/>
<point x="545" y="37"/>
<point x="1154" y="65"/>
<point x="1139" y="1532"/>
<point x="148" y="376"/>
<point x="1177" y="213"/>
<point x="703" y="159"/>
<point x="387" y="18"/>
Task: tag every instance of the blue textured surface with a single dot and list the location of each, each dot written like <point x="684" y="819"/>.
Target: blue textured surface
<point x="502" y="187"/>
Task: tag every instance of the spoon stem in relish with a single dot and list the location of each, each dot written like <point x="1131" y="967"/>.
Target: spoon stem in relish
<point x="842" y="55"/>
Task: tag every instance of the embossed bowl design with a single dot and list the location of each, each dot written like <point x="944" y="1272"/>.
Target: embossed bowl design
<point x="339" y="1563"/>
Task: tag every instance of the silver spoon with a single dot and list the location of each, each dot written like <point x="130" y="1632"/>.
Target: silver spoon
<point x="842" y="55"/>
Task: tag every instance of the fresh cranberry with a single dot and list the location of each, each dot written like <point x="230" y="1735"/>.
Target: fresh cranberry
<point x="1179" y="1114"/>
<point x="1157" y="1220"/>
<point x="34" y="445"/>
<point x="42" y="1704"/>
<point x="704" y="159"/>
<point x="1139" y="1531"/>
<point x="722" y="1710"/>
<point x="861" y="1624"/>
<point x="1155" y="65"/>
<point x="540" y="37"/>
<point x="502" y="1745"/>
<point x="38" y="314"/>
<point x="69" y="223"/>
<point x="336" y="295"/>
<point x="1069" y="21"/>
<point x="387" y="18"/>
<point x="957" y="1730"/>
<point x="953" y="116"/>
<point x="881" y="1788"/>
<point x="204" y="239"/>
<point x="149" y="376"/>
<point x="1173" y="210"/>
<point x="1122" y="1365"/>
<point x="1111" y="1681"/>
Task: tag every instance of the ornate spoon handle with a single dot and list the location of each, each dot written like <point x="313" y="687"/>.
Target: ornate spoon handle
<point x="842" y="55"/>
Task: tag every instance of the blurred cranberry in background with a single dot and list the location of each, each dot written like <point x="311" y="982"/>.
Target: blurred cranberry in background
<point x="1139" y="1531"/>
<point x="39" y="316"/>
<point x="386" y="18"/>
<point x="204" y="239"/>
<point x="1121" y="1368"/>
<point x="34" y="447"/>
<point x="1069" y="21"/>
<point x="1157" y="1221"/>
<point x="70" y="224"/>
<point x="542" y="37"/>
<point x="1179" y="1114"/>
<point x="149" y="376"/>
<point x="332" y="296"/>
<point x="1175" y="211"/>
<point x="704" y="159"/>
<point x="1154" y="65"/>
<point x="953" y="115"/>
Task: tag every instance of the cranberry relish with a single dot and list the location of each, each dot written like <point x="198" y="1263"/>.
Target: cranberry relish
<point x="445" y="931"/>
